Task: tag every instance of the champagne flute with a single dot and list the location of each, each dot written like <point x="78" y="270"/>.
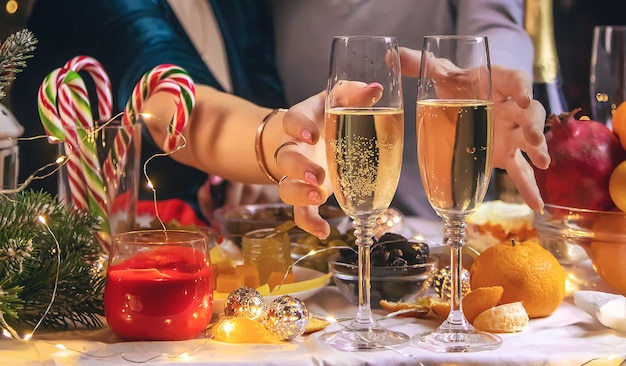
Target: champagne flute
<point x="364" y="139"/>
<point x="455" y="148"/>
<point x="607" y="82"/>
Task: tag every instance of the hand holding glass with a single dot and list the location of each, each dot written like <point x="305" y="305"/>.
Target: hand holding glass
<point x="454" y="148"/>
<point x="364" y="132"/>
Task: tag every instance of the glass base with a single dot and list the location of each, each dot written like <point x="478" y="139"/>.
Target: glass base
<point x="456" y="340"/>
<point x="364" y="339"/>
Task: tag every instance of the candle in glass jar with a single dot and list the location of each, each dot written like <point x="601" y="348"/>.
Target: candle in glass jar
<point x="159" y="285"/>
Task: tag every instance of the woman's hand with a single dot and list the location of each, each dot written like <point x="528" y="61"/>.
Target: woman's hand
<point x="304" y="184"/>
<point x="519" y="119"/>
<point x="518" y="127"/>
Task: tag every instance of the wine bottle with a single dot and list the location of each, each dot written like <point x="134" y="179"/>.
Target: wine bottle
<point x="547" y="86"/>
<point x="547" y="83"/>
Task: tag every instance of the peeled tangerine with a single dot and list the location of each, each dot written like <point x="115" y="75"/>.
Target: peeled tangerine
<point x="506" y="318"/>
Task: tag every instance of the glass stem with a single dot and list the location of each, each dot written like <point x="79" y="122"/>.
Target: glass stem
<point x="455" y="232"/>
<point x="363" y="231"/>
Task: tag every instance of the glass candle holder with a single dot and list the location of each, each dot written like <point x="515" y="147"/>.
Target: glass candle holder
<point x="159" y="285"/>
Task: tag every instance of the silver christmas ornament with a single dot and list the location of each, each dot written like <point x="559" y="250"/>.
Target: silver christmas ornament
<point x="442" y="283"/>
<point x="245" y="302"/>
<point x="286" y="317"/>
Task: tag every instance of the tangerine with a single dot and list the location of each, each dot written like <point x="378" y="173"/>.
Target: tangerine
<point x="617" y="186"/>
<point x="418" y="308"/>
<point x="506" y="318"/>
<point x="618" y="123"/>
<point x="527" y="272"/>
<point x="473" y="303"/>
<point x="608" y="249"/>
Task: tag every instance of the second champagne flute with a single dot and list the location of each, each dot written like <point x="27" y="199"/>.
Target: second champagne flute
<point x="455" y="152"/>
<point x="607" y="81"/>
<point x="364" y="134"/>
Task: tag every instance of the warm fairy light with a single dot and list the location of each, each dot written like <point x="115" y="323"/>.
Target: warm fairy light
<point x="184" y="355"/>
<point x="41" y="219"/>
<point x="61" y="346"/>
<point x="228" y="327"/>
<point x="11" y="6"/>
<point x="28" y="336"/>
<point x="149" y="184"/>
<point x="331" y="319"/>
<point x="61" y="159"/>
<point x="6" y="333"/>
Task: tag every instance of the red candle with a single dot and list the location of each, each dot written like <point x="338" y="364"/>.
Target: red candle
<point x="164" y="292"/>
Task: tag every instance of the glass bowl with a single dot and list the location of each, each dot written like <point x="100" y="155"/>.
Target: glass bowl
<point x="391" y="283"/>
<point x="576" y="235"/>
<point x="236" y="221"/>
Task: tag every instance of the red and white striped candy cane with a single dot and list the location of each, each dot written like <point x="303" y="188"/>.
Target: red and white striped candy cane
<point x="62" y="97"/>
<point x="65" y="112"/>
<point x="98" y="200"/>
<point x="101" y="81"/>
<point x="168" y="78"/>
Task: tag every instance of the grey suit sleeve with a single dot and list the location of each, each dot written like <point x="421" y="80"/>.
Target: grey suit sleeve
<point x="503" y="22"/>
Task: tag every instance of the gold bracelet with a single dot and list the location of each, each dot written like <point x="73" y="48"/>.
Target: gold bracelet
<point x="258" y="145"/>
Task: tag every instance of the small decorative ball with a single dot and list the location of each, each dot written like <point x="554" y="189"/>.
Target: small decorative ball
<point x="442" y="283"/>
<point x="286" y="317"/>
<point x="245" y="302"/>
<point x="390" y="221"/>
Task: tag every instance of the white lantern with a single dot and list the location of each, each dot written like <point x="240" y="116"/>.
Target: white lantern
<point x="10" y="130"/>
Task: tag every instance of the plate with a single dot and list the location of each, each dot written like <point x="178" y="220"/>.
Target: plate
<point x="318" y="280"/>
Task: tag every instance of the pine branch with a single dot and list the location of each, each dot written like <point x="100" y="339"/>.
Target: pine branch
<point x="29" y="263"/>
<point x="14" y="52"/>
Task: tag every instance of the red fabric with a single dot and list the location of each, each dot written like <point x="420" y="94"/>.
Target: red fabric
<point x="171" y="209"/>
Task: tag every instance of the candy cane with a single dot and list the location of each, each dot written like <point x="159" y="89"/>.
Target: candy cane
<point x="64" y="91"/>
<point x="161" y="79"/>
<point x="168" y="78"/>
<point x="56" y="111"/>
<point x="98" y="200"/>
<point x="101" y="81"/>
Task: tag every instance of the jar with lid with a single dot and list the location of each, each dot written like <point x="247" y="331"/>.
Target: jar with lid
<point x="270" y="251"/>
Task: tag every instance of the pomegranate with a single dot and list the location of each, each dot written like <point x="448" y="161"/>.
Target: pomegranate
<point x="584" y="154"/>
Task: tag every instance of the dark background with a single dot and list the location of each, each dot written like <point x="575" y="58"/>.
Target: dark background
<point x="574" y="21"/>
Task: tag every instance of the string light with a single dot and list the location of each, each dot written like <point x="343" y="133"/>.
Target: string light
<point x="7" y="330"/>
<point x="149" y="183"/>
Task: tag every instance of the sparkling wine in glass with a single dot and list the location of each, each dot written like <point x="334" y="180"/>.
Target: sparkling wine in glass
<point x="364" y="136"/>
<point x="454" y="148"/>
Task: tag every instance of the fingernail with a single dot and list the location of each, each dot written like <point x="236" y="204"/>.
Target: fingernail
<point x="215" y="179"/>
<point x="320" y="235"/>
<point x="378" y="86"/>
<point x="306" y="136"/>
<point x="314" y="196"/>
<point x="310" y="178"/>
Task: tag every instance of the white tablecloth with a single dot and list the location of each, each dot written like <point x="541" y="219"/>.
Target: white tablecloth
<point x="567" y="337"/>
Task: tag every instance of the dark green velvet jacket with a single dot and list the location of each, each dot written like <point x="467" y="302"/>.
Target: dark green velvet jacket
<point x="130" y="37"/>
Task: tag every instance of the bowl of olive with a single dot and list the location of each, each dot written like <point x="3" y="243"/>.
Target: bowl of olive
<point x="401" y="269"/>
